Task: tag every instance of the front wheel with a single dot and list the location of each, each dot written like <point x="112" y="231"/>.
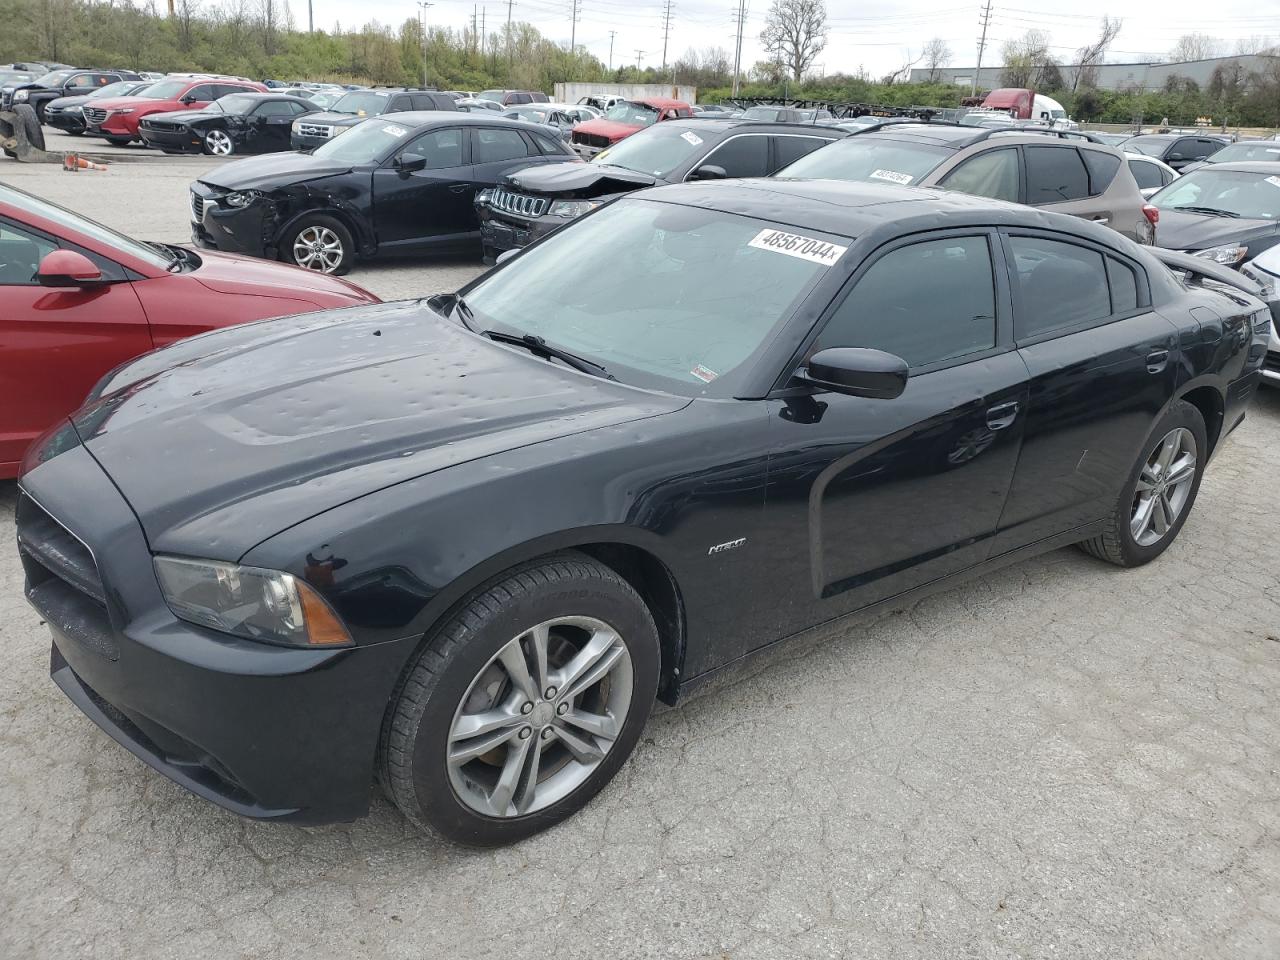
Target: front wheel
<point x="523" y="705"/>
<point x="1160" y="491"/>
<point x="321" y="243"/>
<point x="218" y="143"/>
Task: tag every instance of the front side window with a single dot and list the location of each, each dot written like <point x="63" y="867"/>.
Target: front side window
<point x="1055" y="175"/>
<point x="925" y="303"/>
<point x="741" y="156"/>
<point x="271" y="108"/>
<point x="491" y="146"/>
<point x="73" y="221"/>
<point x="1057" y="287"/>
<point x="202" y="93"/>
<point x="440" y="148"/>
<point x="993" y="174"/>
<point x="20" y="255"/>
<point x="869" y="158"/>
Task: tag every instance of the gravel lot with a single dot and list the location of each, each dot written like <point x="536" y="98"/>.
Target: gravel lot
<point x="1062" y="760"/>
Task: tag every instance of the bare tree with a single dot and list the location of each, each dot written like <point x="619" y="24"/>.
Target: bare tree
<point x="903" y="73"/>
<point x="1025" y="60"/>
<point x="1264" y="45"/>
<point x="1195" y="46"/>
<point x="797" y="31"/>
<point x="186" y="17"/>
<point x="936" y="56"/>
<point x="1089" y="56"/>
<point x="271" y="13"/>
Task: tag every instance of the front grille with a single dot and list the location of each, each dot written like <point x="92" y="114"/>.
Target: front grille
<point x="159" y="125"/>
<point x="315" y="130"/>
<point x="590" y="139"/>
<point x="95" y="114"/>
<point x="197" y="209"/>
<point x="518" y="204"/>
<point x="57" y="549"/>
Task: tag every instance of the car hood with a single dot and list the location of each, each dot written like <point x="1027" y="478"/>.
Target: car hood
<point x="1179" y="230"/>
<point x="243" y="275"/>
<point x="607" y="128"/>
<point x="184" y="116"/>
<point x="261" y="427"/>
<point x="331" y="117"/>
<point x="594" y="178"/>
<point x="63" y="102"/>
<point x="138" y="103"/>
<point x="272" y="169"/>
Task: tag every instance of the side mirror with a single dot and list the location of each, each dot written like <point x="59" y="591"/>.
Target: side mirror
<point x="504" y="256"/>
<point x="410" y="163"/>
<point x="709" y="171"/>
<point x="66" y="268"/>
<point x="858" y="372"/>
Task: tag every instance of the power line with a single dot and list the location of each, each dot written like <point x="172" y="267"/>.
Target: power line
<point x="982" y="46"/>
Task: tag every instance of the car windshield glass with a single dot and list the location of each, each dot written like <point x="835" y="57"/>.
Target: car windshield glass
<point x="761" y="113"/>
<point x="640" y="305"/>
<point x="533" y="116"/>
<point x="324" y="99"/>
<point x="871" y="158"/>
<point x="1257" y="150"/>
<point x="118" y="89"/>
<point x="72" y="221"/>
<point x="1252" y="195"/>
<point x="167" y="89"/>
<point x="635" y="114"/>
<point x="494" y="95"/>
<point x="236" y="103"/>
<point x="1149" y="146"/>
<point x="12" y="76"/>
<point x="366" y="142"/>
<point x="657" y="151"/>
<point x="362" y="103"/>
<point x="54" y="79"/>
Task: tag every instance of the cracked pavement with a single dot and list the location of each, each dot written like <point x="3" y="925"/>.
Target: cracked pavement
<point x="1060" y="760"/>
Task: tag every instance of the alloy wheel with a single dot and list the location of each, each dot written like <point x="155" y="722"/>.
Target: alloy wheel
<point x="539" y="717"/>
<point x="218" y="142"/>
<point x="1164" y="487"/>
<point x="317" y="248"/>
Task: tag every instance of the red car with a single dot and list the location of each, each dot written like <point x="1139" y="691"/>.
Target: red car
<point x="77" y="299"/>
<point x="622" y="120"/>
<point x="116" y="119"/>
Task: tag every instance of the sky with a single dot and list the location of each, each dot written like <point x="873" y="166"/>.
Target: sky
<point x="878" y="35"/>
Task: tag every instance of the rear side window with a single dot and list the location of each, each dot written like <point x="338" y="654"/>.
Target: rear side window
<point x="1102" y="170"/>
<point x="1124" y="286"/>
<point x="1147" y="174"/>
<point x="1057" y="286"/>
<point x="741" y="156"/>
<point x="549" y="147"/>
<point x="491" y="146"/>
<point x="789" y="149"/>
<point x="993" y="174"/>
<point x="1055" y="175"/>
<point x="925" y="303"/>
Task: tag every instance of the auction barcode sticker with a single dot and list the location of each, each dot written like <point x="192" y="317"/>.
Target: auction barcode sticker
<point x="794" y="245"/>
<point x="1274" y="181"/>
<point x="893" y="176"/>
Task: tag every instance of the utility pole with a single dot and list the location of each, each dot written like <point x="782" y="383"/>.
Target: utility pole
<point x="666" y="31"/>
<point x="982" y="46"/>
<point x="422" y="23"/>
<point x="612" y="34"/>
<point x="510" y="4"/>
<point x="475" y="23"/>
<point x="639" y="54"/>
<point x="573" y="26"/>
<point x="737" y="55"/>
<point x="484" y="31"/>
<point x="311" y="18"/>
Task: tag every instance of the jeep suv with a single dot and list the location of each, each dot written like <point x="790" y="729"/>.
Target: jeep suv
<point x="1058" y="170"/>
<point x="316" y="129"/>
<point x="116" y="119"/>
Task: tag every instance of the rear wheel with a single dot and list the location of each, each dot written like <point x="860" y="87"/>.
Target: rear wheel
<point x="523" y="705"/>
<point x="319" y="242"/>
<point x="1160" y="492"/>
<point x="218" y="143"/>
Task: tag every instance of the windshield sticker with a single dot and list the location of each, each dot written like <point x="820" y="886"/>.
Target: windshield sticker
<point x="691" y="137"/>
<point x="794" y="245"/>
<point x="1274" y="181"/>
<point x="393" y="130"/>
<point x="893" y="176"/>
<point x="704" y="374"/>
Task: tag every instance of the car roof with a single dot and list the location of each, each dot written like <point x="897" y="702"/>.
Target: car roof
<point x="1270" y="167"/>
<point x="943" y="134"/>
<point x="702" y="125"/>
<point x="423" y="118"/>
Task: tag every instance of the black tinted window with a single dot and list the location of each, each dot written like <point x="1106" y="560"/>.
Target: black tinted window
<point x="1147" y="174"/>
<point x="440" y="148"/>
<point x="993" y="174"/>
<point x="793" y="148"/>
<point x="491" y="146"/>
<point x="20" y="255"/>
<point x="207" y="91"/>
<point x="1102" y="169"/>
<point x="274" y="108"/>
<point x="1057" y="286"/>
<point x="741" y="156"/>
<point x="1124" y="286"/>
<point x="550" y="147"/>
<point x="924" y="303"/>
<point x="1055" y="174"/>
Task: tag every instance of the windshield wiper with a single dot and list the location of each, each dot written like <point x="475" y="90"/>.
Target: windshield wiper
<point x="1212" y="211"/>
<point x="462" y="310"/>
<point x="540" y="347"/>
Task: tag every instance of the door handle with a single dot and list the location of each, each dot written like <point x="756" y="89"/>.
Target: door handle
<point x="1001" y="415"/>
<point x="459" y="187"/>
<point x="1157" y="360"/>
<point x="1100" y="219"/>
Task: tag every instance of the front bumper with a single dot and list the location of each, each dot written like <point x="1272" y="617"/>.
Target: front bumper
<point x="71" y="119"/>
<point x="1271" y="363"/>
<point x="181" y="141"/>
<point x="249" y="230"/>
<point x="500" y="232"/>
<point x="266" y="732"/>
<point x="118" y="125"/>
<point x="299" y="142"/>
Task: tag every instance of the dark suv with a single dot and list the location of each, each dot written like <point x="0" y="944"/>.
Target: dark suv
<point x="1175" y="149"/>
<point x="63" y="83"/>
<point x="535" y="201"/>
<point x="319" y="128"/>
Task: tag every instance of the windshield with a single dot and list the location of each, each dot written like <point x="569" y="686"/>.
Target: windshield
<point x="12" y="76"/>
<point x="118" y="89"/>
<point x="869" y="157"/>
<point x="635" y="114"/>
<point x="54" y="79"/>
<point x="494" y="95"/>
<point x="1253" y="150"/>
<point x="363" y="103"/>
<point x="657" y="151"/>
<point x="325" y="100"/>
<point x="640" y="304"/>
<point x="526" y="113"/>
<point x="366" y="142"/>
<point x="73" y="221"/>
<point x="1252" y="195"/>
<point x="1148" y="146"/>
<point x="236" y="103"/>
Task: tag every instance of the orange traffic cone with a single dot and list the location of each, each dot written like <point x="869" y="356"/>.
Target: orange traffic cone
<point x="76" y="163"/>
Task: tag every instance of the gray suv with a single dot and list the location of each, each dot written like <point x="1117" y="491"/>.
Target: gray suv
<point x="1063" y="172"/>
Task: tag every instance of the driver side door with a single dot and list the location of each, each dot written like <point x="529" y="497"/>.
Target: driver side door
<point x="427" y="207"/>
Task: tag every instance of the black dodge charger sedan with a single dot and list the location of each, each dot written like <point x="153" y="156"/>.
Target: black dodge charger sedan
<point x="401" y="184"/>
<point x="236" y="123"/>
<point x="460" y="545"/>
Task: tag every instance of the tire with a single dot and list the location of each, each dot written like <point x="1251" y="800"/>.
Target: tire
<point x="218" y="143"/>
<point x="74" y="133"/>
<point x="319" y="228"/>
<point x="459" y="673"/>
<point x="1118" y="543"/>
<point x="35" y="133"/>
<point x="118" y="141"/>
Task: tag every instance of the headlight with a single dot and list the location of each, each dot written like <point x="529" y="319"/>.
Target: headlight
<point x="248" y="602"/>
<point x="337" y="131"/>
<point x="296" y="126"/>
<point x="241" y="198"/>
<point x="123" y="110"/>
<point x="21" y="95"/>
<point x="572" y="208"/>
<point x="1228" y="254"/>
<point x="483" y="196"/>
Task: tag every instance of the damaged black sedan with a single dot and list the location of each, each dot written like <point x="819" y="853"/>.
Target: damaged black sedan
<point x="534" y="201"/>
<point x="460" y="544"/>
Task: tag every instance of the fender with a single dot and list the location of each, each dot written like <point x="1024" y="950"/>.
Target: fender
<point x="335" y="207"/>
